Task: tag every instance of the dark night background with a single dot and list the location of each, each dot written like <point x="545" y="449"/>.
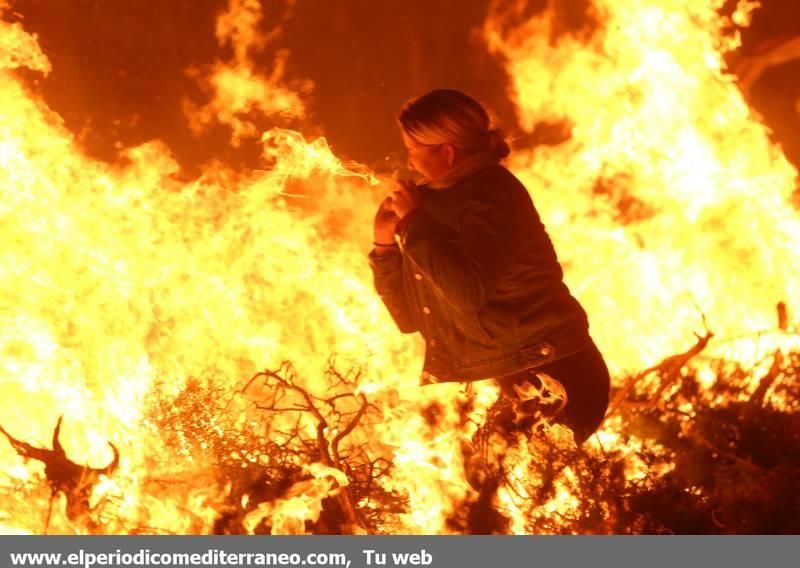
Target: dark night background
<point x="119" y="67"/>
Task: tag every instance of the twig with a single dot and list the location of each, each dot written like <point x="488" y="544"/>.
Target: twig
<point x="757" y="400"/>
<point x="669" y="369"/>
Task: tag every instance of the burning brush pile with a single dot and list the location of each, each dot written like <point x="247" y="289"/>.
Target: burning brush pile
<point x="209" y="356"/>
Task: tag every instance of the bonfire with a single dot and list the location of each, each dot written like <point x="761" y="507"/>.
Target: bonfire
<point x="205" y="353"/>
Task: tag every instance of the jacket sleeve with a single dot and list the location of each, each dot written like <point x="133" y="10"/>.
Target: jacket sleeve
<point x="387" y="271"/>
<point x="466" y="271"/>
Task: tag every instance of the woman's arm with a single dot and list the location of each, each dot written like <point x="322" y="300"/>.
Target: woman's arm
<point x="387" y="270"/>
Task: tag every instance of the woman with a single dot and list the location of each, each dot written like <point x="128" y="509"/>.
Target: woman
<point x="464" y="259"/>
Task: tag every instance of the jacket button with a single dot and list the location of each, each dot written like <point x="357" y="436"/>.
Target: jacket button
<point x="432" y="343"/>
<point x="546" y="350"/>
<point x="426" y="309"/>
<point x="418" y="276"/>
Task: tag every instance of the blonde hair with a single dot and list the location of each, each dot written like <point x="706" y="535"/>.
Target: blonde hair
<point x="447" y="116"/>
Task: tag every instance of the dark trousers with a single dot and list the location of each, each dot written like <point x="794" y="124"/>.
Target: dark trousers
<point x="585" y="378"/>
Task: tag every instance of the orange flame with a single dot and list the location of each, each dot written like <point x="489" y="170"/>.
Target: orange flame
<point x="238" y="91"/>
<point x="667" y="197"/>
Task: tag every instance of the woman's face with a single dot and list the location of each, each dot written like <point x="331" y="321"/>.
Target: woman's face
<point x="432" y="162"/>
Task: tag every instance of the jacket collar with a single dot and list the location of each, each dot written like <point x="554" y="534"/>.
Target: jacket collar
<point x="470" y="165"/>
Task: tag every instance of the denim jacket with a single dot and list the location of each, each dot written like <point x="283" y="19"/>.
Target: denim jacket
<point x="477" y="275"/>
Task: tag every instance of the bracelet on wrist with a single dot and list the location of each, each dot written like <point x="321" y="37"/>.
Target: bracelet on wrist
<point x="377" y="244"/>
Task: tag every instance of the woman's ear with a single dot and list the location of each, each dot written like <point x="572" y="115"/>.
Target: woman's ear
<point x="449" y="154"/>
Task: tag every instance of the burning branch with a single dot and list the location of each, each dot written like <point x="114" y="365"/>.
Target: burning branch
<point x="757" y="400"/>
<point x="668" y="370"/>
<point x="288" y="459"/>
<point x="334" y="421"/>
<point x="63" y="475"/>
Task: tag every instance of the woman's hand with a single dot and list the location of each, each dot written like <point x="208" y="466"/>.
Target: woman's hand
<point x="385" y="222"/>
<point x="405" y="199"/>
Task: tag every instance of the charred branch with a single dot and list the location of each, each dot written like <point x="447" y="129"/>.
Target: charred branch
<point x="63" y="475"/>
<point x="667" y="371"/>
<point x="334" y="417"/>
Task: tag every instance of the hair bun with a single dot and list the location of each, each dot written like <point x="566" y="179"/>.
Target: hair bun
<point x="498" y="144"/>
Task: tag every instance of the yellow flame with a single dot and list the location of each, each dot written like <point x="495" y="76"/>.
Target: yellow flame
<point x="667" y="197"/>
<point x="238" y="91"/>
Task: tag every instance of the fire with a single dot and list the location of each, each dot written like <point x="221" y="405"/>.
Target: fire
<point x="120" y="282"/>
<point x="238" y="91"/>
<point x="668" y="199"/>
